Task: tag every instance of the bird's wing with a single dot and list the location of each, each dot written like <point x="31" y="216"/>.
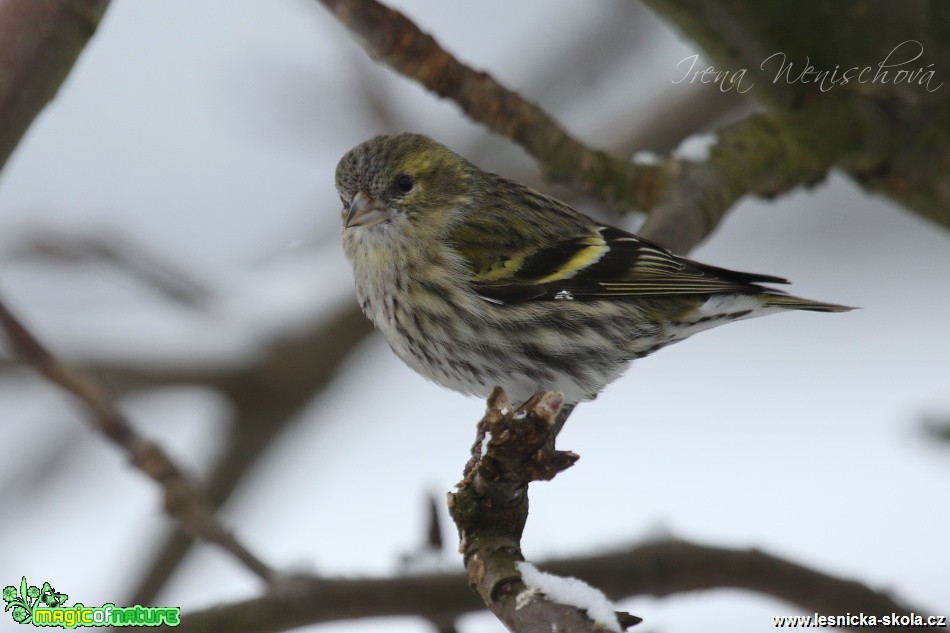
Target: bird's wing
<point x="602" y="263"/>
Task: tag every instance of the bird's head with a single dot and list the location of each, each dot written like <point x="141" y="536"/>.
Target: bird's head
<point x="406" y="182"/>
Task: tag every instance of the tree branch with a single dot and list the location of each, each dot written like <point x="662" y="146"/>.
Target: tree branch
<point x="393" y="39"/>
<point x="267" y="395"/>
<point x="183" y="499"/>
<point x="760" y="37"/>
<point x="124" y="255"/>
<point x="764" y="155"/>
<point x="659" y="569"/>
<point x="513" y="448"/>
<point x="490" y="508"/>
<point x="678" y="115"/>
<point x="41" y="41"/>
<point x="266" y="391"/>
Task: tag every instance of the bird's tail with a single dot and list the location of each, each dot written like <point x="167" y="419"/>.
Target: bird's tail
<point x="789" y="302"/>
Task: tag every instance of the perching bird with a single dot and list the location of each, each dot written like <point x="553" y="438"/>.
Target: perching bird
<point x="477" y="281"/>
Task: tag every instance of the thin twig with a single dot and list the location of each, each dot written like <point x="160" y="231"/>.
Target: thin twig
<point x="267" y="394"/>
<point x="183" y="498"/>
<point x="123" y="254"/>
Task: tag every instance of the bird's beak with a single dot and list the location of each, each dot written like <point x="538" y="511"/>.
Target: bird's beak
<point x="365" y="211"/>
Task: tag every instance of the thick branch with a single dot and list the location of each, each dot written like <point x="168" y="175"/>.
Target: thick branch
<point x="183" y="499"/>
<point x="762" y="38"/>
<point x="765" y="155"/>
<point x="656" y="569"/>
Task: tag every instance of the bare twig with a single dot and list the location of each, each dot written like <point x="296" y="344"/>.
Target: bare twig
<point x="434" y="528"/>
<point x="183" y="498"/>
<point x="661" y="568"/>
<point x="126" y="257"/>
<point x="583" y="58"/>
<point x="395" y="40"/>
<point x="267" y="395"/>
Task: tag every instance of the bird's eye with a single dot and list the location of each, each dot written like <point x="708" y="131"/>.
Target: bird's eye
<point x="404" y="183"/>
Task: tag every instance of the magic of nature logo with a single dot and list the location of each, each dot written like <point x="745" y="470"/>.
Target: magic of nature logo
<point x="44" y="606"/>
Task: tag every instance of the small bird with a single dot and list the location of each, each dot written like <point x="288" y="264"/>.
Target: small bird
<point x="476" y="281"/>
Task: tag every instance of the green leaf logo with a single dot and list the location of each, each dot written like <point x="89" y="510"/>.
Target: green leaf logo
<point x="23" y="600"/>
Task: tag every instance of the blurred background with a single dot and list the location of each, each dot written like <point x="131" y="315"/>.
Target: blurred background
<point x="170" y="222"/>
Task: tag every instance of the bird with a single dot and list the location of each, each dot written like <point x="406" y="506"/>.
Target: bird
<point x="478" y="281"/>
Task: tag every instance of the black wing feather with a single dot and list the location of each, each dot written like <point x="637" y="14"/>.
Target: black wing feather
<point x="629" y="267"/>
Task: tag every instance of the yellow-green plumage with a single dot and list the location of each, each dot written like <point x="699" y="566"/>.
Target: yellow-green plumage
<point x="477" y="281"/>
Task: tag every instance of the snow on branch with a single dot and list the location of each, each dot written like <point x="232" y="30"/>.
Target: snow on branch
<point x="514" y="447"/>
